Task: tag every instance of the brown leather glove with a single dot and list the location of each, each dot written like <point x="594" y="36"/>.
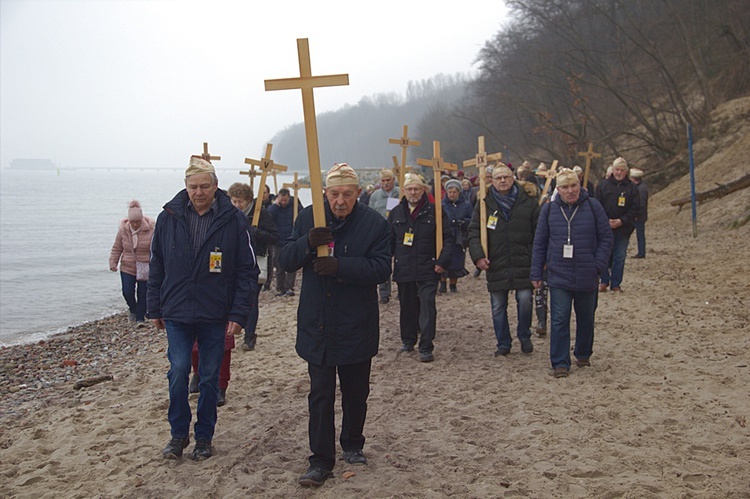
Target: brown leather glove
<point x="319" y="236"/>
<point x="326" y="265"/>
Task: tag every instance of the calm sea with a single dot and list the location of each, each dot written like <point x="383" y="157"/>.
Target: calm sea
<point x="56" y="232"/>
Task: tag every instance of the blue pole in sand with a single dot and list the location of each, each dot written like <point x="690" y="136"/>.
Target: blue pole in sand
<point x="692" y="179"/>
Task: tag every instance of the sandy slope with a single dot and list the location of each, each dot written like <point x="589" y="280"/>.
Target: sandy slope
<point x="663" y="410"/>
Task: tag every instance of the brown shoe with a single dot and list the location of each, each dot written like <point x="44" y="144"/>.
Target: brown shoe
<point x="602" y="288"/>
<point x="583" y="363"/>
<point x="616" y="289"/>
<point x="561" y="372"/>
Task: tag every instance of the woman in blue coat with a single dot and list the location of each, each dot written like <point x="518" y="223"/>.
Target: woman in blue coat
<point x="458" y="211"/>
<point x="574" y="240"/>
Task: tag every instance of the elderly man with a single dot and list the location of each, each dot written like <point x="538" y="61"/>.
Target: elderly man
<point x="338" y="319"/>
<point x="511" y="223"/>
<point x="417" y="268"/>
<point x="574" y="240"/>
<point x="202" y="281"/>
<point x="382" y="200"/>
<point x="282" y="213"/>
<point x="619" y="197"/>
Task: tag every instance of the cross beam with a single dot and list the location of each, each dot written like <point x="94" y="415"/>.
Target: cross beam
<point x="251" y="173"/>
<point x="405" y="143"/>
<point x="306" y="82"/>
<point x="266" y="166"/>
<point x="548" y="182"/>
<point x="480" y="161"/>
<point x="438" y="165"/>
<point x="206" y="156"/>
<point x="295" y="186"/>
<point x="589" y="155"/>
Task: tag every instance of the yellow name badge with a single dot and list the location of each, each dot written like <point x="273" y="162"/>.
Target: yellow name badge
<point x="409" y="239"/>
<point x="621" y="201"/>
<point x="492" y="222"/>
<point x="214" y="262"/>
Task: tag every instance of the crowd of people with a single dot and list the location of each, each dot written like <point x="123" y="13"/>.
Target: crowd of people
<point x="552" y="241"/>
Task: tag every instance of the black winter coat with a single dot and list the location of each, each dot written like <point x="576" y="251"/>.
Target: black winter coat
<point x="609" y="191"/>
<point x="417" y="262"/>
<point x="338" y="316"/>
<point x="265" y="234"/>
<point x="509" y="245"/>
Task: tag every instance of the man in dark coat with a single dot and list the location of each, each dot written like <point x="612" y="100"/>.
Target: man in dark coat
<point x="619" y="197"/>
<point x="202" y="278"/>
<point x="338" y="318"/>
<point x="511" y="222"/>
<point x="416" y="268"/>
<point x="574" y="240"/>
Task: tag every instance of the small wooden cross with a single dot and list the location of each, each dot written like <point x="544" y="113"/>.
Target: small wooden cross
<point x="405" y="143"/>
<point x="548" y="182"/>
<point x="480" y="161"/>
<point x="206" y="156"/>
<point x="589" y="155"/>
<point x="266" y="166"/>
<point x="306" y="82"/>
<point x="295" y="186"/>
<point x="252" y="173"/>
<point x="438" y="165"/>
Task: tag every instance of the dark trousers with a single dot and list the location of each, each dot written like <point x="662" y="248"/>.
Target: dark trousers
<point x="134" y="293"/>
<point x="418" y="314"/>
<point x="284" y="280"/>
<point x="354" y="380"/>
<point x="640" y="234"/>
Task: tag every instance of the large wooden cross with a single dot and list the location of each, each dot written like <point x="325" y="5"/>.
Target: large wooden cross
<point x="295" y="186"/>
<point x="252" y="173"/>
<point x="438" y="165"/>
<point x="405" y="143"/>
<point x="589" y="155"/>
<point x="480" y="161"/>
<point x="206" y="156"/>
<point x="548" y="182"/>
<point x="266" y="166"/>
<point x="306" y="82"/>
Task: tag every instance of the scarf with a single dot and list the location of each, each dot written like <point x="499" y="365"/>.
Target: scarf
<point x="415" y="211"/>
<point x="134" y="234"/>
<point x="506" y="201"/>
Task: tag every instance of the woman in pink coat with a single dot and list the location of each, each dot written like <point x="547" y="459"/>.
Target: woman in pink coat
<point x="132" y="250"/>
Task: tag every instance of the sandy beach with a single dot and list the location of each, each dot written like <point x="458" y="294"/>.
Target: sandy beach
<point x="662" y="411"/>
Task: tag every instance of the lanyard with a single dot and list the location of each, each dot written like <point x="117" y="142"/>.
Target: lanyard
<point x="569" y="220"/>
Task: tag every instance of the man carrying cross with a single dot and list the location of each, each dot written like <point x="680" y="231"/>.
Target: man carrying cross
<point x="338" y="318"/>
<point x="511" y="222"/>
<point x="417" y="267"/>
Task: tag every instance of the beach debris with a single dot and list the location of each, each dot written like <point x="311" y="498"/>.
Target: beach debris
<point x="92" y="381"/>
<point x="348" y="474"/>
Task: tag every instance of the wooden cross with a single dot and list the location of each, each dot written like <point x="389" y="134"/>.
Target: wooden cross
<point x="295" y="186"/>
<point x="548" y="182"/>
<point x="206" y="156"/>
<point x="480" y="161"/>
<point x="438" y="165"/>
<point x="266" y="166"/>
<point x="252" y="173"/>
<point x="405" y="144"/>
<point x="588" y="155"/>
<point x="306" y="82"/>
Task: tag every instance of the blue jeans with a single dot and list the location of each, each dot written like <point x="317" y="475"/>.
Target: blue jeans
<point x="181" y="336"/>
<point x="134" y="293"/>
<point x="640" y="235"/>
<point x="524" y="307"/>
<point x="584" y="303"/>
<point x="613" y="275"/>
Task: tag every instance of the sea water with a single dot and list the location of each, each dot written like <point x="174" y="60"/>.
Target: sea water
<point x="56" y="232"/>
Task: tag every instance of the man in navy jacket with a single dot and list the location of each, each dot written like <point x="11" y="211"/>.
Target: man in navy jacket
<point x="574" y="240"/>
<point x="338" y="326"/>
<point x="202" y="277"/>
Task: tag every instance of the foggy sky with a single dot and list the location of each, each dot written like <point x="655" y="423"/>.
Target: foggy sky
<point x="145" y="83"/>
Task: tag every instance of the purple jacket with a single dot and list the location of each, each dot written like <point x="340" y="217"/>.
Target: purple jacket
<point x="590" y="236"/>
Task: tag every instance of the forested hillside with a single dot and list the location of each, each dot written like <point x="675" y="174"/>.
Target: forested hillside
<point x="627" y="76"/>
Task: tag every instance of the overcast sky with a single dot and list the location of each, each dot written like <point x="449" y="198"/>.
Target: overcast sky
<point x="145" y="83"/>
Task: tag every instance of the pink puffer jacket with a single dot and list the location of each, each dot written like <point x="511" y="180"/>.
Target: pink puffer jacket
<point x="122" y="249"/>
